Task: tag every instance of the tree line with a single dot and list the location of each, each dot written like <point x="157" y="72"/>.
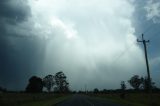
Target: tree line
<point x="57" y="83"/>
<point x="139" y="83"/>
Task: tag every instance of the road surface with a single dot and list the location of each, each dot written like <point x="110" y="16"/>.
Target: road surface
<point x="83" y="100"/>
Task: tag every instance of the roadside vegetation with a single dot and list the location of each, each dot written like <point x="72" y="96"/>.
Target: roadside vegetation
<point x="28" y="99"/>
<point x="132" y="99"/>
<point x="45" y="91"/>
<point x="53" y="89"/>
<point x="141" y="94"/>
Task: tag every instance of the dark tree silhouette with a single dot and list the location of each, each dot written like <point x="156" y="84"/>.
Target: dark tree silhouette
<point x="135" y="82"/>
<point x="61" y="82"/>
<point x="48" y="82"/>
<point x="123" y="85"/>
<point x="123" y="88"/>
<point x="104" y="91"/>
<point x="35" y="85"/>
<point x="3" y="89"/>
<point x="145" y="84"/>
<point x="96" y="91"/>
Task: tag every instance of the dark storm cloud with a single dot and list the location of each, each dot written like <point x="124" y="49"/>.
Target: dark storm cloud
<point x="13" y="11"/>
<point x="18" y="63"/>
<point x="19" y="54"/>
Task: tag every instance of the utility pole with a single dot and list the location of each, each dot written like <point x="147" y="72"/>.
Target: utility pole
<point x="147" y="64"/>
<point x="85" y="87"/>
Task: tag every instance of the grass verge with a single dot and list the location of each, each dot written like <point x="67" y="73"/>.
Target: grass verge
<point x="134" y="99"/>
<point x="48" y="102"/>
<point x="31" y="99"/>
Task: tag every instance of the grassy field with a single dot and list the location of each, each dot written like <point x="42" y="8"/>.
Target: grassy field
<point x="23" y="99"/>
<point x="45" y="99"/>
<point x="132" y="99"/>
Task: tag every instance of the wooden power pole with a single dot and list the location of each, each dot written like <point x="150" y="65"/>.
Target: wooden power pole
<point x="147" y="64"/>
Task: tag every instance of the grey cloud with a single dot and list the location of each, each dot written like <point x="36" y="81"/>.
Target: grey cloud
<point x="153" y="10"/>
<point x="147" y="27"/>
<point x="13" y="11"/>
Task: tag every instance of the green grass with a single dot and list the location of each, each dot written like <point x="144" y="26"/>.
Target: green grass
<point x="45" y="99"/>
<point x="132" y="99"/>
<point x="48" y="102"/>
<point x="24" y="99"/>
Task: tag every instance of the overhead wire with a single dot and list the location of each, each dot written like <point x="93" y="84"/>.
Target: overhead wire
<point x="122" y="53"/>
<point x="129" y="47"/>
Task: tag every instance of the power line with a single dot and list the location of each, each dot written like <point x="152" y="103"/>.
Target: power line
<point x="128" y="48"/>
<point x="122" y="53"/>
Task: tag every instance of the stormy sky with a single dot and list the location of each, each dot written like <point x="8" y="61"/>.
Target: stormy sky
<point x="92" y="41"/>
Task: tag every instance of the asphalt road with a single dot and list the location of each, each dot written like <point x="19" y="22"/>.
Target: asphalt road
<point x="83" y="100"/>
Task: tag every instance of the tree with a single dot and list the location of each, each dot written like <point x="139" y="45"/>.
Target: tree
<point x="123" y="85"/>
<point x="123" y="88"/>
<point x="61" y="82"/>
<point x="104" y="91"/>
<point x="96" y="91"/>
<point x="35" y="85"/>
<point x="48" y="82"/>
<point x="145" y="83"/>
<point x="135" y="82"/>
<point x="3" y="89"/>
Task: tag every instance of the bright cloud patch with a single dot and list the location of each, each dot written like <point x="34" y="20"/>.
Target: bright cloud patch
<point x="86" y="38"/>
